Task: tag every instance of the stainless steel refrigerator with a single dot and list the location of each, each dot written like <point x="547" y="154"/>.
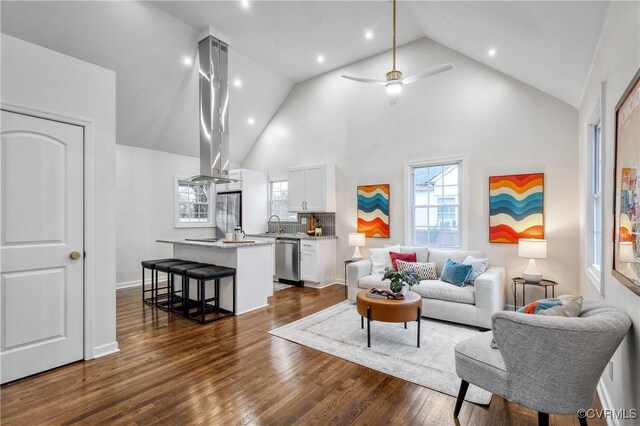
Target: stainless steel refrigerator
<point x="228" y="212"/>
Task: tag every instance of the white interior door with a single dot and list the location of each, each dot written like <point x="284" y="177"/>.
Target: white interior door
<point x="42" y="225"/>
<point x="315" y="188"/>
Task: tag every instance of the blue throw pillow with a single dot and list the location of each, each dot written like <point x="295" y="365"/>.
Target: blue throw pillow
<point x="456" y="273"/>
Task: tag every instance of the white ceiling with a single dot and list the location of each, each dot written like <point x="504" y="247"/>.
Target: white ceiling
<point x="548" y="45"/>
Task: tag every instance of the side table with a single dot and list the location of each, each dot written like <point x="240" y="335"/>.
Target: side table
<point x="544" y="283"/>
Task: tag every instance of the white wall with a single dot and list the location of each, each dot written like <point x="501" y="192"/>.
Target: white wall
<point x="503" y="125"/>
<point x="48" y="81"/>
<point x="616" y="62"/>
<point x="145" y="208"/>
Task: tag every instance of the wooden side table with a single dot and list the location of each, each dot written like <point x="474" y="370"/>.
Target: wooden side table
<point x="544" y="283"/>
<point x="388" y="310"/>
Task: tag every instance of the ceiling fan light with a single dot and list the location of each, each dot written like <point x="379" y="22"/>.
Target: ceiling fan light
<point x="394" y="88"/>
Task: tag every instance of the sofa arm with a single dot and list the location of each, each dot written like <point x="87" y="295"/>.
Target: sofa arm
<point x="355" y="271"/>
<point x="491" y="289"/>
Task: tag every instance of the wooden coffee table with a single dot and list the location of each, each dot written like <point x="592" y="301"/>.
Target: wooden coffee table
<point x="387" y="310"/>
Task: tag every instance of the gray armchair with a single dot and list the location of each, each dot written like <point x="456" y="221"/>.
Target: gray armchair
<point x="549" y="364"/>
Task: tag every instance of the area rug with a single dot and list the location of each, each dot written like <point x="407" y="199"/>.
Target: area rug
<point x="393" y="351"/>
<point x="281" y="286"/>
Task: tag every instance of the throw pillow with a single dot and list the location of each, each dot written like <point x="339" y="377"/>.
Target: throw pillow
<point x="407" y="257"/>
<point x="455" y="273"/>
<point x="380" y="259"/>
<point x="478" y="266"/>
<point x="562" y="306"/>
<point x="426" y="271"/>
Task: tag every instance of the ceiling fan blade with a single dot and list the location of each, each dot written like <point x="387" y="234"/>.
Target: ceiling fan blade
<point x="426" y="73"/>
<point x="364" y="80"/>
<point x="393" y="98"/>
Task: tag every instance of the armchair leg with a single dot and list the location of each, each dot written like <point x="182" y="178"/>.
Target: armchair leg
<point x="461" y="394"/>
<point x="582" y="420"/>
<point x="543" y="419"/>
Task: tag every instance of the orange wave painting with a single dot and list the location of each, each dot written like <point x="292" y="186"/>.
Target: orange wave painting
<point x="516" y="207"/>
<point x="373" y="210"/>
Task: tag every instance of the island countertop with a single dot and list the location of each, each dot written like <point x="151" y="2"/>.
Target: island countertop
<point x="215" y="244"/>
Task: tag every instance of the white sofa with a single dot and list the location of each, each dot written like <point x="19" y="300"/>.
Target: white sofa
<point x="473" y="304"/>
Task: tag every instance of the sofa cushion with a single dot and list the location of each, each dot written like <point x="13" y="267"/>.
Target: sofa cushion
<point x="477" y="362"/>
<point x="380" y="259"/>
<point x="426" y="271"/>
<point x="422" y="252"/>
<point x="374" y="281"/>
<point x="439" y="257"/>
<point x="436" y="289"/>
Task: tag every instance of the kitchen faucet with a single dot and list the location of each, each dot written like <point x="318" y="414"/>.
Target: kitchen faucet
<point x="279" y="231"/>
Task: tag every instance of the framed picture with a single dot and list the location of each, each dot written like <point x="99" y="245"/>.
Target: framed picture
<point x="516" y="207"/>
<point x="373" y="210"/>
<point x="626" y="250"/>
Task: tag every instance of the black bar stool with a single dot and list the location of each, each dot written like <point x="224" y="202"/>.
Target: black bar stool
<point x="151" y="265"/>
<point x="164" y="267"/>
<point x="181" y="270"/>
<point x="204" y="275"/>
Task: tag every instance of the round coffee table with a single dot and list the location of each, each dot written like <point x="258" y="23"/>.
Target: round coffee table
<point x="388" y="310"/>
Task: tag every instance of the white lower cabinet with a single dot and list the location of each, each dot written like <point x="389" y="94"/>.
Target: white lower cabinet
<point x="318" y="262"/>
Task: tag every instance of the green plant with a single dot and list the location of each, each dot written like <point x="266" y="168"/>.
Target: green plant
<point x="319" y="224"/>
<point x="399" y="279"/>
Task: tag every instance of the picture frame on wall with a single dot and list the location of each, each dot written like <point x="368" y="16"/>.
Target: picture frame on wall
<point x="626" y="250"/>
<point x="373" y="210"/>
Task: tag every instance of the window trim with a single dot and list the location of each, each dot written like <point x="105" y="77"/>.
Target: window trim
<point x="594" y="274"/>
<point x="270" y="182"/>
<point x="176" y="208"/>
<point x="462" y="160"/>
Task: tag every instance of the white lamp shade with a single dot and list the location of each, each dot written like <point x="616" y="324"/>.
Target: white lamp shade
<point x="356" y="239"/>
<point x="532" y="248"/>
<point x="626" y="252"/>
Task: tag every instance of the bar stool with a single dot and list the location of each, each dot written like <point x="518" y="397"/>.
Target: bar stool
<point x="151" y="265"/>
<point x="204" y="275"/>
<point x="164" y="267"/>
<point x="181" y="270"/>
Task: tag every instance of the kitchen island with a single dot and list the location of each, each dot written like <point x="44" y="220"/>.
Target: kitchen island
<point x="252" y="262"/>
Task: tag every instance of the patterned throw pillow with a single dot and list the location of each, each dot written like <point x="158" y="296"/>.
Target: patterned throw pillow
<point x="426" y="271"/>
<point x="407" y="257"/>
<point x="562" y="306"/>
<point x="478" y="266"/>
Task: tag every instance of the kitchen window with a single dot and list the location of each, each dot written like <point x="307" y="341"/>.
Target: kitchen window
<point x="193" y="204"/>
<point x="435" y="204"/>
<point x="278" y="201"/>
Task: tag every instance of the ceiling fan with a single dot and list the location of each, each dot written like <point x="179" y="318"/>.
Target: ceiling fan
<point x="395" y="81"/>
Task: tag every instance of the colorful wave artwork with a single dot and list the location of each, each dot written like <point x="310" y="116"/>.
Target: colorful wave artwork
<point x="516" y="207"/>
<point x="373" y="210"/>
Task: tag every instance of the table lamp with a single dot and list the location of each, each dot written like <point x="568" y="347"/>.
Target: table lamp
<point x="532" y="249"/>
<point x="356" y="240"/>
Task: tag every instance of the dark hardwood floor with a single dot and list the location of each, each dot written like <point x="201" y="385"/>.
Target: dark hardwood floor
<point x="174" y="371"/>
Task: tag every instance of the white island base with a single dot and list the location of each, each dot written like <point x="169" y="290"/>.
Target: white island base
<point x="253" y="265"/>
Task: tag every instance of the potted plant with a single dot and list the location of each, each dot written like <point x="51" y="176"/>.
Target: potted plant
<point x="318" y="228"/>
<point x="399" y="279"/>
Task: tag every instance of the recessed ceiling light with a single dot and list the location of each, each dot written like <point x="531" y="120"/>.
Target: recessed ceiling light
<point x="237" y="82"/>
<point x="492" y="52"/>
<point x="368" y="34"/>
<point x="245" y="4"/>
<point x="250" y="121"/>
<point x="187" y="61"/>
<point x="320" y="58"/>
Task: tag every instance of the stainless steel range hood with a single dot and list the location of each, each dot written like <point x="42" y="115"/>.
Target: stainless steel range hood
<point x="213" y="65"/>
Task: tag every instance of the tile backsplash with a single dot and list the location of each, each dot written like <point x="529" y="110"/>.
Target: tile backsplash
<point x="328" y="224"/>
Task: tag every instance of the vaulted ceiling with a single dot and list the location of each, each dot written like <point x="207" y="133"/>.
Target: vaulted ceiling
<point x="548" y="45"/>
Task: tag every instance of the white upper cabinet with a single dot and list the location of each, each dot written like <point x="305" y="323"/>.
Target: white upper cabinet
<point x="312" y="188"/>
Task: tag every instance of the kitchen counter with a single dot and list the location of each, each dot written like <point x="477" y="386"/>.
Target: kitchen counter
<point x="296" y="236"/>
<point x="216" y="244"/>
<point x="253" y="263"/>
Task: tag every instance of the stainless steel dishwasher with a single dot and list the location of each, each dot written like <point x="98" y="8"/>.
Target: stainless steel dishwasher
<point x="288" y="260"/>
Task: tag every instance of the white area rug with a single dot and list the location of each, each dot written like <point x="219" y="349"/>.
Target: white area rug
<point x="393" y="351"/>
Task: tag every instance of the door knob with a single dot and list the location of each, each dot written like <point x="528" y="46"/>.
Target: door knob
<point x="75" y="255"/>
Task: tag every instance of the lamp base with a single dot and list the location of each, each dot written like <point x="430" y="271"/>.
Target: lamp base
<point x="356" y="254"/>
<point x="532" y="274"/>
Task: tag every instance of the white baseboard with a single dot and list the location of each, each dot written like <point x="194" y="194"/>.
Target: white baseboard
<point x="340" y="281"/>
<point x="252" y="309"/>
<point x="136" y="283"/>
<point x="605" y="400"/>
<point x="104" y="350"/>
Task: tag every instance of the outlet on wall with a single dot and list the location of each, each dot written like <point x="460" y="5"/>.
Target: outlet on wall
<point x="611" y="370"/>
<point x="303" y="220"/>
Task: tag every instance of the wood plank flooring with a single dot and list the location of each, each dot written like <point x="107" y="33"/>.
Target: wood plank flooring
<point x="174" y="371"/>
